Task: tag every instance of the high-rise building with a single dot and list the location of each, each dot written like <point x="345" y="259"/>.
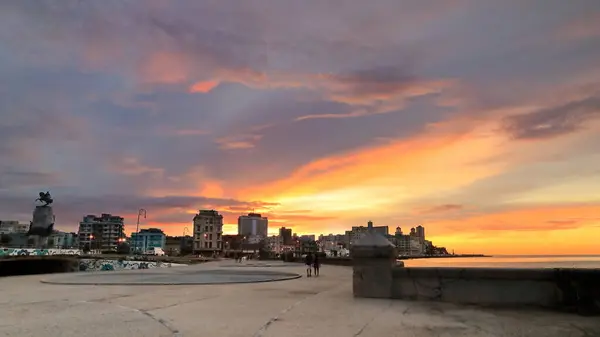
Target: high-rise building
<point x="286" y="235"/>
<point x="421" y="232"/>
<point x="253" y="224"/>
<point x="103" y="232"/>
<point x="208" y="231"/>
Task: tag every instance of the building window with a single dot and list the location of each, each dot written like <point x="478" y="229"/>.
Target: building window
<point x="210" y="236"/>
<point x="210" y="244"/>
<point x="211" y="228"/>
<point x="206" y="228"/>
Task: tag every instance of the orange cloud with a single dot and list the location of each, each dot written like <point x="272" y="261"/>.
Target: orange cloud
<point x="413" y="162"/>
<point x="238" y="142"/>
<point x="212" y="189"/>
<point x="164" y="67"/>
<point x="551" y="229"/>
<point x="203" y="86"/>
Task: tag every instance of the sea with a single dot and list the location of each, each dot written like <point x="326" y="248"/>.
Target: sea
<point x="510" y="261"/>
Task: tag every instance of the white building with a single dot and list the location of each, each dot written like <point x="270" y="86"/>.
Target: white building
<point x="253" y="224"/>
<point x="103" y="232"/>
<point x="62" y="240"/>
<point x="408" y="245"/>
<point x="13" y="227"/>
<point x="208" y="231"/>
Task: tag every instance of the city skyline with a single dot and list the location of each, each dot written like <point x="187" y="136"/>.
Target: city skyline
<point x="479" y="120"/>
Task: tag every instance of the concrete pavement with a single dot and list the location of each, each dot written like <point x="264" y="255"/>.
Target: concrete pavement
<point x="321" y="306"/>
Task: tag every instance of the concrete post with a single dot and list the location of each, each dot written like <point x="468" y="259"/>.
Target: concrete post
<point x="373" y="258"/>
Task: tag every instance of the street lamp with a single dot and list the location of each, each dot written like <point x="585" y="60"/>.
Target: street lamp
<point x="91" y="242"/>
<point x="141" y="211"/>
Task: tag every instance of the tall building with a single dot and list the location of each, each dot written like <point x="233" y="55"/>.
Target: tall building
<point x="253" y="224"/>
<point x="103" y="232"/>
<point x="420" y="230"/>
<point x="286" y="235"/>
<point x="147" y="239"/>
<point x="208" y="231"/>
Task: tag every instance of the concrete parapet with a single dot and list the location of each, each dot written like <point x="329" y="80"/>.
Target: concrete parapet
<point x="373" y="258"/>
<point x="571" y="289"/>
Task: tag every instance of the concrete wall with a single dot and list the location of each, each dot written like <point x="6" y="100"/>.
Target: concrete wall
<point x="4" y="252"/>
<point x="376" y="274"/>
<point x="568" y="289"/>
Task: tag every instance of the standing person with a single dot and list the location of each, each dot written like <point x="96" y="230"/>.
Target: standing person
<point x="308" y="260"/>
<point x="316" y="264"/>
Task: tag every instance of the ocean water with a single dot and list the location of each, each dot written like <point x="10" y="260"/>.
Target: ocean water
<point x="511" y="261"/>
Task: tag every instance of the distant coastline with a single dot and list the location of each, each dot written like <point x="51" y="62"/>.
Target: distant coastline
<point x="441" y="256"/>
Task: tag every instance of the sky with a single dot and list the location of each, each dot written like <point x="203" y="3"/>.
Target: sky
<point x="478" y="119"/>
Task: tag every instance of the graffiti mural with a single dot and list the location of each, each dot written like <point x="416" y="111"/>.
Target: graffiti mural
<point x="109" y="265"/>
<point x="37" y="252"/>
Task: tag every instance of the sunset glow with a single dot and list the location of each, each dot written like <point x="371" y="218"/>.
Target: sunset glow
<point x="477" y="120"/>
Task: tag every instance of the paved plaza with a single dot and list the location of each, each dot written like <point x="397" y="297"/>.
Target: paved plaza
<point x="321" y="306"/>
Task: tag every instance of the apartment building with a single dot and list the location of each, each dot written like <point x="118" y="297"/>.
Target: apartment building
<point x="104" y="232"/>
<point x="208" y="231"/>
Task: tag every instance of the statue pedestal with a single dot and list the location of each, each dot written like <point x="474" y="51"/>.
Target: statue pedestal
<point x="43" y="221"/>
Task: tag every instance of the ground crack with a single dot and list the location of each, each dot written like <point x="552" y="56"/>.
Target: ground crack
<point x="362" y="329"/>
<point x="277" y="317"/>
<point x="161" y="321"/>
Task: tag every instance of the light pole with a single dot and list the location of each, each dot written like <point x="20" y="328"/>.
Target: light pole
<point x="141" y="211"/>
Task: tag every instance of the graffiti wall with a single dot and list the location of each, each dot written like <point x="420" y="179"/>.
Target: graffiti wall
<point x="37" y="252"/>
<point x="107" y="265"/>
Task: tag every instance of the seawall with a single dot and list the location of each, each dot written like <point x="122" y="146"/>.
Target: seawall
<point x="575" y="290"/>
<point x="377" y="274"/>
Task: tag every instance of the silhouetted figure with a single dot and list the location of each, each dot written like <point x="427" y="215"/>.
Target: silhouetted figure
<point x="308" y="260"/>
<point x="45" y="198"/>
<point x="316" y="264"/>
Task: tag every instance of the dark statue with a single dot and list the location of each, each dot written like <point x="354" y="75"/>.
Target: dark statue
<point x="42" y="223"/>
<point x="45" y="198"/>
